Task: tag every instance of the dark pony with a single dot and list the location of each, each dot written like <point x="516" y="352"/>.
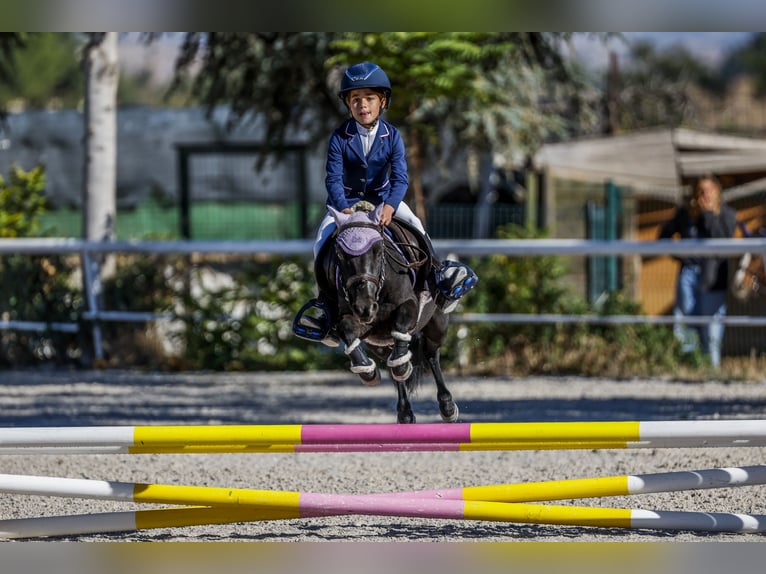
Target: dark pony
<point x="749" y="279"/>
<point x="378" y="290"/>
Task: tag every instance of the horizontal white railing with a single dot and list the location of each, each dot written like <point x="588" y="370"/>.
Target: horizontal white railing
<point x="471" y="247"/>
<point x="468" y="247"/>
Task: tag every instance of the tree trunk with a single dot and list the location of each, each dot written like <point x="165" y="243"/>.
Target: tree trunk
<point x="101" y="73"/>
<point x="100" y="61"/>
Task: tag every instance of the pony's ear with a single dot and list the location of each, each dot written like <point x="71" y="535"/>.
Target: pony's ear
<point x="338" y="215"/>
<point x="376" y="215"/>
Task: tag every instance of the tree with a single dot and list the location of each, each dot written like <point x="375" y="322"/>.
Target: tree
<point x="279" y="78"/>
<point x="101" y="72"/>
<point x="653" y="88"/>
<point x="10" y="43"/>
<point x="500" y="91"/>
<point x="748" y="59"/>
<point x="42" y="68"/>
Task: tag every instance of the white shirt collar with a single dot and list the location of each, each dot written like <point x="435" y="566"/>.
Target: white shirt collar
<point x="367" y="136"/>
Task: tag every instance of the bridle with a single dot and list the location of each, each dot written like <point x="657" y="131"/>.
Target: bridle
<point x="376" y="279"/>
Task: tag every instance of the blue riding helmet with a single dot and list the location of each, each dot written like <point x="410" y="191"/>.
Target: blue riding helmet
<point x="365" y="75"/>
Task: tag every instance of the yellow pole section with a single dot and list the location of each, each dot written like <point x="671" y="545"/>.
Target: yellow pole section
<point x="197" y="516"/>
<point x="616" y="434"/>
<point x="145" y="436"/>
<point x="285" y="501"/>
<point x="549" y="490"/>
<point x="212" y="449"/>
<point x="542" y="445"/>
<point x="547" y="514"/>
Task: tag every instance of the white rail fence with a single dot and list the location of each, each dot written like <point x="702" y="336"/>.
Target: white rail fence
<point x="89" y="252"/>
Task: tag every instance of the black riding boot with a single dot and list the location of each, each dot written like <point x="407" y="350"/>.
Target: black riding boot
<point x="452" y="280"/>
<point x="314" y="322"/>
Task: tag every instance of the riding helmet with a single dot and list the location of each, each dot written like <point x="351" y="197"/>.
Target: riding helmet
<point x="365" y="75"/>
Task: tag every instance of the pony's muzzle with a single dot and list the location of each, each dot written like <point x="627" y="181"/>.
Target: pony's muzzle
<point x="366" y="313"/>
<point x="364" y="300"/>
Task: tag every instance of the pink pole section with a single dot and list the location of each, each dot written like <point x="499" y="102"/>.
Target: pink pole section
<point x="386" y="433"/>
<point x="377" y="447"/>
<point x="320" y="504"/>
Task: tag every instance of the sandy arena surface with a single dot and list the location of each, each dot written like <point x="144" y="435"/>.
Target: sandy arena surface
<point x="69" y="398"/>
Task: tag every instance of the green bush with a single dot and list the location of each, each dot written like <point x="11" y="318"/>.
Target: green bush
<point x="263" y="299"/>
<point x="279" y="290"/>
<point x="141" y="283"/>
<point x="34" y="288"/>
<point x="22" y="202"/>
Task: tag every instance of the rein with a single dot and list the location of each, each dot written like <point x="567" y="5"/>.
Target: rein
<point x="404" y="263"/>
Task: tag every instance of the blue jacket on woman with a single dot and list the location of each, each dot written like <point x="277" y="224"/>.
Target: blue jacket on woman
<point x="381" y="177"/>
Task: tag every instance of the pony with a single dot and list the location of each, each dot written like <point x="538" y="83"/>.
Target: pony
<point x="377" y="280"/>
<point x="749" y="279"/>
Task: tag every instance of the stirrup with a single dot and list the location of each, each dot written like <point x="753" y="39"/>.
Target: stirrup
<point x="453" y="281"/>
<point x="318" y="329"/>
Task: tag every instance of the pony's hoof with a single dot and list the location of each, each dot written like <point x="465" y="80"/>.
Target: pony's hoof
<point x="405" y="419"/>
<point x="370" y="379"/>
<point x="452" y="417"/>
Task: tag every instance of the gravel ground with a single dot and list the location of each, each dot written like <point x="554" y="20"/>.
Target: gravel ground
<point x="67" y="398"/>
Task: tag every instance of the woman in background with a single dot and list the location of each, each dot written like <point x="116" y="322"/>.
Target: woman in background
<point x="702" y="281"/>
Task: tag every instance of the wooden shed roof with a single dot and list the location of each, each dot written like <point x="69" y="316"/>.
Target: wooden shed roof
<point x="657" y="161"/>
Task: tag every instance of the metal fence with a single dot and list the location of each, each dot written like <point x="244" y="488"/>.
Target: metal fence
<point x="89" y="254"/>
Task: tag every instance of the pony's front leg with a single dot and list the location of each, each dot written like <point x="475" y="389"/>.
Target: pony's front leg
<point x="361" y="364"/>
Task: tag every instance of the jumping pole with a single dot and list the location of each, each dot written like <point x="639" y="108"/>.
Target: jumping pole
<point x="504" y="503"/>
<point x="384" y="437"/>
<point x="622" y="485"/>
<point x="474" y="510"/>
